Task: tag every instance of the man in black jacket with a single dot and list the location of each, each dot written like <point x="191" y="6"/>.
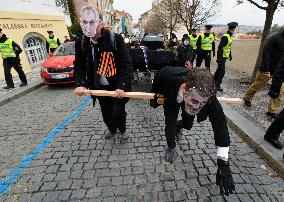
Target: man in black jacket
<point x="272" y="53"/>
<point x="194" y="92"/>
<point x="224" y="52"/>
<point x="273" y="133"/>
<point x="10" y="52"/>
<point x="102" y="61"/>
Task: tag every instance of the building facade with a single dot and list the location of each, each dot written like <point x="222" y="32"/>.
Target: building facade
<point x="27" y="23"/>
<point x="128" y="22"/>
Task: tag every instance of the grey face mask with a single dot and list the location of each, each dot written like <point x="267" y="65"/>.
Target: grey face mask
<point x="195" y="100"/>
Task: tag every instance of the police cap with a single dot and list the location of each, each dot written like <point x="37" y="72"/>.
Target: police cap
<point x="233" y="24"/>
<point x="0" y="30"/>
<point x="194" y="30"/>
<point x="50" y="32"/>
<point x="208" y="26"/>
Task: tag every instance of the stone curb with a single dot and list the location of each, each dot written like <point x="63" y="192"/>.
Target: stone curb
<point x="19" y="92"/>
<point x="253" y="134"/>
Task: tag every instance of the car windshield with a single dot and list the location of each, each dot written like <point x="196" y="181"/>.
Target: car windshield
<point x="65" y="49"/>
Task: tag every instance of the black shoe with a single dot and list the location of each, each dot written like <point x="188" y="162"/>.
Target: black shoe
<point x="8" y="87"/>
<point x="124" y="135"/>
<point x="23" y="84"/>
<point x="247" y="103"/>
<point x="276" y="143"/>
<point x="109" y="134"/>
<point x="271" y="115"/>
<point x="219" y="89"/>
<point x="170" y="155"/>
<point x="178" y="135"/>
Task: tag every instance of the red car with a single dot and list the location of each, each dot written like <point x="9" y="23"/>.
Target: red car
<point x="58" y="69"/>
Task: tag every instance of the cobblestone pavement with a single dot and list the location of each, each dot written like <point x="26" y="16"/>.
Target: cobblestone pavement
<point x="31" y="77"/>
<point x="233" y="88"/>
<point x="80" y="165"/>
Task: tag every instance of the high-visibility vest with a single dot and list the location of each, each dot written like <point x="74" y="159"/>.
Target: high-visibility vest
<point x="206" y="42"/>
<point x="52" y="42"/>
<point x="227" y="49"/>
<point x="193" y="41"/>
<point x="7" y="50"/>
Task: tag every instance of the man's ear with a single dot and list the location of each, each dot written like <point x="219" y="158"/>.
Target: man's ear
<point x="183" y="88"/>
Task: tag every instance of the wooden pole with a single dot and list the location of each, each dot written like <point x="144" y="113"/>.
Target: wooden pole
<point x="143" y="95"/>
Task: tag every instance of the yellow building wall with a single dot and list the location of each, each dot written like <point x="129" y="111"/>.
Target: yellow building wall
<point x="17" y="25"/>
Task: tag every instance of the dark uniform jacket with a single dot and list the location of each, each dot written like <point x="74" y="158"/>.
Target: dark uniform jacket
<point x="272" y="52"/>
<point x="185" y="53"/>
<point x="168" y="82"/>
<point x="86" y="65"/>
<point x="16" y="48"/>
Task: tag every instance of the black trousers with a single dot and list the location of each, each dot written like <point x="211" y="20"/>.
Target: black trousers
<point x="203" y="55"/>
<point x="171" y="112"/>
<point x="220" y="72"/>
<point x="113" y="112"/>
<point x="7" y="71"/>
<point x="193" y="56"/>
<point x="276" y="127"/>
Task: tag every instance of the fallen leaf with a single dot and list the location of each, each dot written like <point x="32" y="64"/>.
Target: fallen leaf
<point x="263" y="167"/>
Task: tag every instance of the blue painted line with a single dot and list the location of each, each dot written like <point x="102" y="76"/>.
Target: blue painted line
<point x="16" y="173"/>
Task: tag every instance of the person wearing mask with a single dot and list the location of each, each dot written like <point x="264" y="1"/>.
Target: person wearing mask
<point x="273" y="133"/>
<point x="185" y="53"/>
<point x="272" y="52"/>
<point x="66" y="39"/>
<point x="52" y="42"/>
<point x="102" y="62"/>
<point x="193" y="42"/>
<point x="193" y="91"/>
<point x="172" y="45"/>
<point x="224" y="52"/>
<point x="10" y="52"/>
<point x="205" y="45"/>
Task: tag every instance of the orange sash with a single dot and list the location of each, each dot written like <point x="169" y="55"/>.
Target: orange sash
<point x="107" y="66"/>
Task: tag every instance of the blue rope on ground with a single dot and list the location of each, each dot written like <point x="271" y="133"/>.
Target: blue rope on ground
<point x="16" y="173"/>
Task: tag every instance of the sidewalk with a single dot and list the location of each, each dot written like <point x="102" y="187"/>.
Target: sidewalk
<point x="250" y="123"/>
<point x="34" y="82"/>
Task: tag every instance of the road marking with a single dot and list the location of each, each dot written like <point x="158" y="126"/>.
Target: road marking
<point x="16" y="173"/>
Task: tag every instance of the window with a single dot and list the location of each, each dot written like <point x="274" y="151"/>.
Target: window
<point x="35" y="50"/>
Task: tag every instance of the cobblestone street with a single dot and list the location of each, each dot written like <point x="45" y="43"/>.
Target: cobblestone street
<point x="80" y="165"/>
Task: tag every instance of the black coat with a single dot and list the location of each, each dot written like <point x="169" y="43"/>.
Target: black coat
<point x="185" y="53"/>
<point x="272" y="52"/>
<point x="168" y="82"/>
<point x="278" y="76"/>
<point x="85" y="67"/>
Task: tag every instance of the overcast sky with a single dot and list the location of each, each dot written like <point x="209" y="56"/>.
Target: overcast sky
<point x="246" y="14"/>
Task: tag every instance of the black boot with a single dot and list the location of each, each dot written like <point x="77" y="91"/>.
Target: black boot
<point x="109" y="134"/>
<point x="179" y="135"/>
<point x="170" y="155"/>
<point x="8" y="87"/>
<point x="219" y="89"/>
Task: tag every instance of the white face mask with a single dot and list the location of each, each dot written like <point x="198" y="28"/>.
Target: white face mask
<point x="89" y="23"/>
<point x="174" y="40"/>
<point x="186" y="42"/>
<point x="194" y="102"/>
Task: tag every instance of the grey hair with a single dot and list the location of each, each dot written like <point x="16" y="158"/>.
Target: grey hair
<point x="92" y="8"/>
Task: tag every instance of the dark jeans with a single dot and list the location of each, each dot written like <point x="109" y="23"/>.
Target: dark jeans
<point x="220" y="72"/>
<point x="113" y="112"/>
<point x="7" y="71"/>
<point x="172" y="125"/>
<point x="276" y="127"/>
<point x="203" y="55"/>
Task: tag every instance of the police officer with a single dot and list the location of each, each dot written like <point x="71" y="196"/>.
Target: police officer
<point x="193" y="42"/>
<point x="224" y="52"/>
<point x="10" y="52"/>
<point x="205" y="45"/>
<point x="185" y="53"/>
<point x="52" y="42"/>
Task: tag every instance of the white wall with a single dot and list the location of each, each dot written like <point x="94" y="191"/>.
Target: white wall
<point x="45" y="7"/>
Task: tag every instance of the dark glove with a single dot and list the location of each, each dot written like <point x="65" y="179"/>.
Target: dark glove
<point x="157" y="101"/>
<point x="231" y="58"/>
<point x="153" y="103"/>
<point x="224" y="178"/>
<point x="213" y="53"/>
<point x="273" y="94"/>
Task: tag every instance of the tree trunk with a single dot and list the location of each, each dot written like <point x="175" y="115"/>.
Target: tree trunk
<point x="267" y="25"/>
